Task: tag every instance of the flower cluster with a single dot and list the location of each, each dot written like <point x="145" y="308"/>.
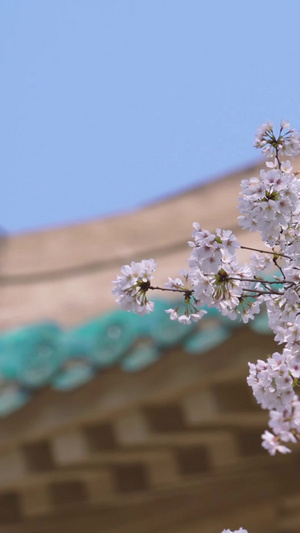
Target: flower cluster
<point x="269" y="204"/>
<point x="191" y="312"/>
<point x="287" y="143"/>
<point x="271" y="382"/>
<point x="130" y="289"/>
<point x="241" y="530"/>
<point x="285" y="425"/>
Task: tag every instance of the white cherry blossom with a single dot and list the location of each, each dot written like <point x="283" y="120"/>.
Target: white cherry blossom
<point x="269" y="204"/>
<point x="131" y="286"/>
<point x="241" y="530"/>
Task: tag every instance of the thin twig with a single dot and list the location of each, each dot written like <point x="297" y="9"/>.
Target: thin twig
<point x="265" y="252"/>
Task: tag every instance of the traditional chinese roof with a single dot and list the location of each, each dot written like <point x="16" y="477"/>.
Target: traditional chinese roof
<point x="45" y="354"/>
<point x="125" y="424"/>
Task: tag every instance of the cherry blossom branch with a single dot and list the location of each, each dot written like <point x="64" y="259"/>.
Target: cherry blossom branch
<point x="269" y="204"/>
<point x="276" y="254"/>
<point x="167" y="289"/>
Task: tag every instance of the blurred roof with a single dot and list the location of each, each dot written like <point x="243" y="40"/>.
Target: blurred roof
<point x="65" y="274"/>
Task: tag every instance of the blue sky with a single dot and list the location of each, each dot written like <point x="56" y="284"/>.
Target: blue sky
<point x="109" y="104"/>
